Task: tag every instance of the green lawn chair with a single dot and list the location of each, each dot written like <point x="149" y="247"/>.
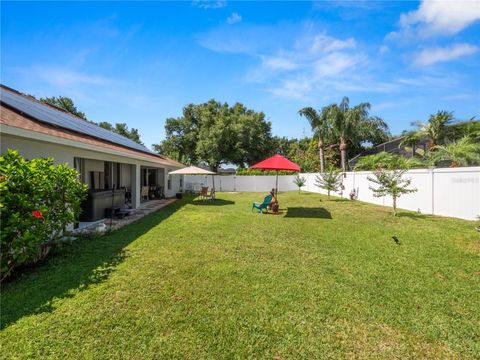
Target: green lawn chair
<point x="261" y="206"/>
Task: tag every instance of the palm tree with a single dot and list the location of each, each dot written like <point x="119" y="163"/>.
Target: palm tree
<point x="354" y="125"/>
<point x="464" y="152"/>
<point x="411" y="139"/>
<point x="320" y="125"/>
<point x="436" y="127"/>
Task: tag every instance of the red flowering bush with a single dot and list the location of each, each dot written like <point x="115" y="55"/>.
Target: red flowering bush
<point x="38" y="200"/>
<point x="37" y="214"/>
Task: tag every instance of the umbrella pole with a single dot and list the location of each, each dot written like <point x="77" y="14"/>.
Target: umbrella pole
<point x="213" y="186"/>
<point x="276" y="186"/>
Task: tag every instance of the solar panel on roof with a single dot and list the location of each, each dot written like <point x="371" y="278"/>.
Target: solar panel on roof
<point x="59" y="118"/>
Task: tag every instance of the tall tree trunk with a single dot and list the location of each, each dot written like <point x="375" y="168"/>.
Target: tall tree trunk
<point x="343" y="153"/>
<point x="322" y="154"/>
<point x="394" y="206"/>
<point x="414" y="150"/>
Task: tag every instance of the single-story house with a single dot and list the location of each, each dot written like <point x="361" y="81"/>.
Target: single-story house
<point x="110" y="164"/>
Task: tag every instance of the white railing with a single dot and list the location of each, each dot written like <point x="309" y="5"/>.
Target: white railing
<point x="451" y="192"/>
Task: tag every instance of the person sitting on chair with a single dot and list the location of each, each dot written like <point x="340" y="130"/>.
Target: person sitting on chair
<point x="273" y="205"/>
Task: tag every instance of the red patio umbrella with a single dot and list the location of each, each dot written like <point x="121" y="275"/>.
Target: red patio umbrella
<point x="276" y="162"/>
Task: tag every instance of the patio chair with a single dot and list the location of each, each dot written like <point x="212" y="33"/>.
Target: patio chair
<point x="144" y="192"/>
<point x="210" y="196"/>
<point x="264" y="205"/>
<point x="204" y="193"/>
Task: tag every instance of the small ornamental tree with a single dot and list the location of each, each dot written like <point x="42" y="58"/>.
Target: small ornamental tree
<point x="38" y="201"/>
<point x="391" y="183"/>
<point x="300" y="181"/>
<point x="330" y="180"/>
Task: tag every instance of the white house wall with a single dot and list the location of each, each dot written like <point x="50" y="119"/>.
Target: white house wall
<point x="62" y="154"/>
<point x="31" y="149"/>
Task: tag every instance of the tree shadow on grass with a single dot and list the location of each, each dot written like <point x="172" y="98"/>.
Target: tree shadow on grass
<point x="74" y="267"/>
<point x="216" y="202"/>
<point x="411" y="215"/>
<point x="339" y="200"/>
<point x="308" y="213"/>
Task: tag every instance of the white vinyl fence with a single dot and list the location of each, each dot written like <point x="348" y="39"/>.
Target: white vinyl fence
<point x="451" y="192"/>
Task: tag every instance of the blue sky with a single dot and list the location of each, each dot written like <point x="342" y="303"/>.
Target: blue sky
<point x="141" y="62"/>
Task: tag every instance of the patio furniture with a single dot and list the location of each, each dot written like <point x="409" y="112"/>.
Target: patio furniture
<point x="264" y="205"/>
<point x="210" y="196"/>
<point x="276" y="162"/>
<point x="144" y="192"/>
<point x="203" y="193"/>
<point x="94" y="205"/>
<point x="128" y="195"/>
<point x="194" y="170"/>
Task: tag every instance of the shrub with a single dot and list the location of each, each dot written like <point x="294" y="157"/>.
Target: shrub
<point x="330" y="180"/>
<point x="37" y="202"/>
<point x="384" y="160"/>
<point x="464" y="152"/>
<point x="390" y="182"/>
<point x="300" y="181"/>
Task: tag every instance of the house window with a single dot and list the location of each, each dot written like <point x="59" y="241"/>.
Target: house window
<point x="78" y="165"/>
<point x="107" y="173"/>
<point x="152" y="177"/>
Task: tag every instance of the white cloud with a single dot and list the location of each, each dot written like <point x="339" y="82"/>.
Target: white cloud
<point x="324" y="43"/>
<point x="234" y="18"/>
<point x="64" y="77"/>
<point x="438" y="18"/>
<point x="431" y="56"/>
<point x="293" y="89"/>
<point x="299" y="63"/>
<point x="278" y="63"/>
<point x="461" y="96"/>
<point x="384" y="105"/>
<point x="335" y="64"/>
<point x="209" y="4"/>
<point x="250" y="40"/>
<point x="383" y="50"/>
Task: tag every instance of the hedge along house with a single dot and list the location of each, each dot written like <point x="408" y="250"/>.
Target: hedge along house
<point x="111" y="165"/>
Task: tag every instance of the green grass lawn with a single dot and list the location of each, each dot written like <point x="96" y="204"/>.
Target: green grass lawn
<point x="194" y="280"/>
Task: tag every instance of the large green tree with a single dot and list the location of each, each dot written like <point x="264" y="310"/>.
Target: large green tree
<point x="65" y="103"/>
<point x="254" y="139"/>
<point x="218" y="135"/>
<point x="215" y="133"/>
<point x="182" y="136"/>
<point x="122" y="129"/>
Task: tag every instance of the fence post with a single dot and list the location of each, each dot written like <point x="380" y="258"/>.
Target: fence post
<point x="432" y="170"/>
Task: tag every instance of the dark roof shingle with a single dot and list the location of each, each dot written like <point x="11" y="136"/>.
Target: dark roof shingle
<point x="56" y="117"/>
